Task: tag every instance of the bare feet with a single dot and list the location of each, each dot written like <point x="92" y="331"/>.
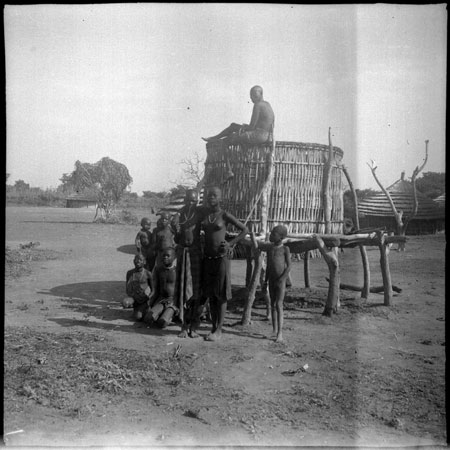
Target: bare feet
<point x="194" y="334"/>
<point x="214" y="336"/>
<point x="279" y="338"/>
<point x="183" y="334"/>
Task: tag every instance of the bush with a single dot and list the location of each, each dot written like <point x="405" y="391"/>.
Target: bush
<point x="35" y="197"/>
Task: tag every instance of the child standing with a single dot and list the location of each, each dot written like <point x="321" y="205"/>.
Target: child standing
<point x="143" y="241"/>
<point x="163" y="237"/>
<point x="139" y="285"/>
<point x="278" y="267"/>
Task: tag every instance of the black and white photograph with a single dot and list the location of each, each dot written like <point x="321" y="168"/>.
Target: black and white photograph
<point x="225" y="226"/>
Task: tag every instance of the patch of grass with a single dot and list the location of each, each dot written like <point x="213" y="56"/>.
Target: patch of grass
<point x="17" y="261"/>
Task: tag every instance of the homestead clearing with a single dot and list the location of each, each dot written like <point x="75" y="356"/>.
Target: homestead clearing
<point x="78" y="371"/>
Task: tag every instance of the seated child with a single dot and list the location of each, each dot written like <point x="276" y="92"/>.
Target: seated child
<point x="139" y="285"/>
<point x="162" y="306"/>
<point x="277" y="272"/>
<point x="143" y="241"/>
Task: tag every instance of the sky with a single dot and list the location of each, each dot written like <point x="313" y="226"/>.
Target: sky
<point x="141" y="83"/>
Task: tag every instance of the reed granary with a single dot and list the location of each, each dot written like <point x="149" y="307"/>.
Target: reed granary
<point x="278" y="183"/>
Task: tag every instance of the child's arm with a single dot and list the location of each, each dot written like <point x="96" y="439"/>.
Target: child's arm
<point x="155" y="292"/>
<point x="287" y="260"/>
<point x="137" y="241"/>
<point x="127" y="285"/>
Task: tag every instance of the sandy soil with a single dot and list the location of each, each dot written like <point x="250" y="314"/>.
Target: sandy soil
<point x="80" y="372"/>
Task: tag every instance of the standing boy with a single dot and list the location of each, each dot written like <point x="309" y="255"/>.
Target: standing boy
<point x="278" y="267"/>
<point x="189" y="261"/>
<point x="163" y="237"/>
<point x="143" y="241"/>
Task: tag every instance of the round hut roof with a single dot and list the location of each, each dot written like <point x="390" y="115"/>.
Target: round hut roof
<point x="401" y="193"/>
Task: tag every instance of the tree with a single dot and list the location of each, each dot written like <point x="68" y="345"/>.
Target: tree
<point x="107" y="179"/>
<point x="431" y="184"/>
<point x="193" y="169"/>
<point x="402" y="224"/>
<point x="21" y="186"/>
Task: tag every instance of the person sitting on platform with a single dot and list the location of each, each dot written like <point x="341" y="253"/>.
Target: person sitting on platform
<point x="261" y="124"/>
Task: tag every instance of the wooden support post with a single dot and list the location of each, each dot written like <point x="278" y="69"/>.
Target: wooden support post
<point x="385" y="271"/>
<point x="330" y="257"/>
<point x="264" y="202"/>
<point x="362" y="249"/>
<point x="246" y="316"/>
<point x="306" y="269"/>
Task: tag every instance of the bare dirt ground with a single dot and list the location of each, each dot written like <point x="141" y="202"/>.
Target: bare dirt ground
<point x="79" y="372"/>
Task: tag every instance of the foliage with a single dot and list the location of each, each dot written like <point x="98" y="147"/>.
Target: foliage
<point x="21" y="186"/>
<point x="431" y="184"/>
<point x="152" y="194"/>
<point x="178" y="190"/>
<point x="148" y="204"/>
<point x="34" y="197"/>
<point x="107" y="178"/>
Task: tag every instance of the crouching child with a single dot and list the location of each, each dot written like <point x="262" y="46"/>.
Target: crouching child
<point x="277" y="272"/>
<point x="162" y="305"/>
<point x="139" y="286"/>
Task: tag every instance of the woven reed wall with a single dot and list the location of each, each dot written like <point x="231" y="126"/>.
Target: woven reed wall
<point x="296" y="194"/>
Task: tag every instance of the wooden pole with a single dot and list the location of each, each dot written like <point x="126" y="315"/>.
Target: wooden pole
<point x="385" y="271"/>
<point x="265" y="197"/>
<point x="306" y="269"/>
<point x="365" y="260"/>
<point x="330" y="257"/>
<point x="326" y="199"/>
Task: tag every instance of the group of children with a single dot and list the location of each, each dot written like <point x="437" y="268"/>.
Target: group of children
<point x="185" y="261"/>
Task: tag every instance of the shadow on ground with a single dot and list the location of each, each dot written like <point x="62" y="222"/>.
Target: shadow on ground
<point x="128" y="249"/>
<point x="81" y="222"/>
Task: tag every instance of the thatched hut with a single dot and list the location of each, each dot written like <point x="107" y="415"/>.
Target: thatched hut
<point x="80" y="201"/>
<point x="277" y="184"/>
<point x="376" y="211"/>
<point x="440" y="201"/>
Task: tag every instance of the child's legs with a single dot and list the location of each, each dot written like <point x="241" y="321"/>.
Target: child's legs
<point x="273" y="296"/>
<point x="197" y="313"/>
<point x="154" y="313"/>
<point x="221" y="306"/>
<point x="166" y="317"/>
<point x="139" y="311"/>
<point x="213" y="309"/>
<point x="279" y="299"/>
